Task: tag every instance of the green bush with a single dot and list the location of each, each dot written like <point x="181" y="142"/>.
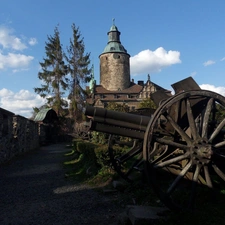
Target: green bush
<point x="101" y="152"/>
<point x="92" y="161"/>
<point x="99" y="137"/>
<point x="85" y="164"/>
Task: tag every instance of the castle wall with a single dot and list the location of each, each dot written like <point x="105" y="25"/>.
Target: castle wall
<point x="115" y="71"/>
<point x="17" y="135"/>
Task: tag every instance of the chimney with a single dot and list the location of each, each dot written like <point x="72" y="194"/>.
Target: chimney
<point x="141" y="82"/>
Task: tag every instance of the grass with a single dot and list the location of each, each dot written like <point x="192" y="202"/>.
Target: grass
<point x="84" y="166"/>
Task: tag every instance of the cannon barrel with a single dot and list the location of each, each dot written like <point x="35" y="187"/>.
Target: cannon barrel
<point x="118" y="123"/>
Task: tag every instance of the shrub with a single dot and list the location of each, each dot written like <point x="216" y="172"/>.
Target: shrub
<point x="101" y="152"/>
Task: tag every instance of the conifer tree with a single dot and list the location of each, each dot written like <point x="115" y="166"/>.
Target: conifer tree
<point x="79" y="71"/>
<point x="53" y="74"/>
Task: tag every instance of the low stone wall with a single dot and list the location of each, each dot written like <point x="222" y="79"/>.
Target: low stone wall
<point x="17" y="135"/>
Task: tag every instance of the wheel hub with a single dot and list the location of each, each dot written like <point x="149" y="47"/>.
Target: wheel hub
<point x="202" y="153"/>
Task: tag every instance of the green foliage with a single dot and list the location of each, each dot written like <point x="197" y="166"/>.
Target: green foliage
<point x="99" y="137"/>
<point x="117" y="107"/>
<point x="101" y="152"/>
<point x="220" y="114"/>
<point x="53" y="74"/>
<point x="210" y="209"/>
<point x="79" y="73"/>
<point x="147" y="103"/>
<point x="84" y="164"/>
<point x="60" y="80"/>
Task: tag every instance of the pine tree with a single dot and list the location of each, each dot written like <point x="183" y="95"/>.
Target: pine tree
<point x="79" y="71"/>
<point x="54" y="74"/>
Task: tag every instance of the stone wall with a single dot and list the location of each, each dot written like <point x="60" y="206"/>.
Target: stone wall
<point x="17" y="135"/>
<point x="115" y="71"/>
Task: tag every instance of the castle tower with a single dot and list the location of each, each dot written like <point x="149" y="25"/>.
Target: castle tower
<point x="114" y="63"/>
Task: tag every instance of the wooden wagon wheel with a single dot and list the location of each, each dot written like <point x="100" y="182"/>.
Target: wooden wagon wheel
<point x="126" y="156"/>
<point x="184" y="146"/>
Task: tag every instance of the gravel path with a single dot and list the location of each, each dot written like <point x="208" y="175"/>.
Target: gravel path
<point x="34" y="191"/>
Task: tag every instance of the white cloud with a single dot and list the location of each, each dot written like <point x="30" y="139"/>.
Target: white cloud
<point x="222" y="59"/>
<point x="148" y="61"/>
<point x="5" y="92"/>
<point x="9" y="45"/>
<point x="209" y="62"/>
<point x="219" y="90"/>
<point x="20" y="103"/>
<point x="12" y="60"/>
<point x="32" y="41"/>
<point x="8" y="40"/>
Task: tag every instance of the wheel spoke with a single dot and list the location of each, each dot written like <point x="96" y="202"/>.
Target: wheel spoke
<point x="207" y="177"/>
<point x="219" y="172"/>
<point x="196" y="174"/>
<point x="185" y="140"/>
<point x="217" y="130"/>
<point x="220" y="144"/>
<point x="171" y="161"/>
<point x="192" y="121"/>
<point x="206" y="118"/>
<point x="172" y="143"/>
<point x="178" y="129"/>
<point x="194" y="184"/>
<point x="178" y="178"/>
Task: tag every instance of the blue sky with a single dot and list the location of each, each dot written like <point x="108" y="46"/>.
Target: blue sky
<point x="170" y="40"/>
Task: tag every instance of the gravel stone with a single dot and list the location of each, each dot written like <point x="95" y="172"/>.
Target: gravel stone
<point x="34" y="191"/>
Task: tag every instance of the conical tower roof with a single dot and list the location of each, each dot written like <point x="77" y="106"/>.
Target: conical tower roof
<point x="114" y="44"/>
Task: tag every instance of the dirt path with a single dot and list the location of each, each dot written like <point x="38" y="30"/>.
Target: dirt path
<point x="33" y="190"/>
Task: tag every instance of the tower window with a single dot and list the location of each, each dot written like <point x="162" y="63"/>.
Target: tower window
<point x="116" y="56"/>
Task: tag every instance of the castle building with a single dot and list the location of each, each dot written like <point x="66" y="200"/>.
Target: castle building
<point x="115" y="82"/>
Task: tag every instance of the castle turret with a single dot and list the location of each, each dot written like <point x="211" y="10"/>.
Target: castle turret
<point x="114" y="63"/>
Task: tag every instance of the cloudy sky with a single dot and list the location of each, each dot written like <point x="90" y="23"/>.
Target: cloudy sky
<point x="170" y="40"/>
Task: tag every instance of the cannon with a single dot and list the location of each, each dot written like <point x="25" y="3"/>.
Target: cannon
<point x="180" y="147"/>
<point x="119" y="125"/>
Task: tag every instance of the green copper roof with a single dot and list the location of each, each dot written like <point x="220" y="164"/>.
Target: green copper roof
<point x="42" y="114"/>
<point x="113" y="28"/>
<point x="114" y="47"/>
<point x="114" y="44"/>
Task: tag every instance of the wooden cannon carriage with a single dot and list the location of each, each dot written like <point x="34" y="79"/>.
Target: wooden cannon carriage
<point x="179" y="147"/>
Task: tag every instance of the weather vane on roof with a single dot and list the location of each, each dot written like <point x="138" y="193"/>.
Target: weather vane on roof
<point x="113" y="21"/>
